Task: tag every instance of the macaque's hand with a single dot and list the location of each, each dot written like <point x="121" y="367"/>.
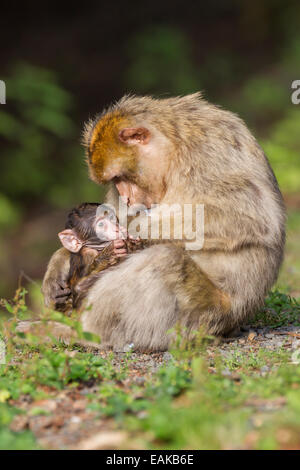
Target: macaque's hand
<point x="135" y="241"/>
<point x="120" y="248"/>
<point x="135" y="244"/>
<point x="57" y="294"/>
<point x="62" y="296"/>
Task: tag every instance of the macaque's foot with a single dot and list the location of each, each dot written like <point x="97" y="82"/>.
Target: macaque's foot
<point x="23" y="327"/>
<point x="136" y="244"/>
<point x="46" y="331"/>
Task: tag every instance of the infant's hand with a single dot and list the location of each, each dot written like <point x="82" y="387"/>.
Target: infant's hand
<point x="135" y="244"/>
<point x="56" y="293"/>
<point x="62" y="296"/>
<point x="120" y="248"/>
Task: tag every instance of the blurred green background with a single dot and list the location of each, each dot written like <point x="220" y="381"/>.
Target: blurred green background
<point x="62" y="65"/>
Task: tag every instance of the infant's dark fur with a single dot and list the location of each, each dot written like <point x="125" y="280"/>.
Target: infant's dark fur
<point x="95" y="254"/>
<point x="86" y="264"/>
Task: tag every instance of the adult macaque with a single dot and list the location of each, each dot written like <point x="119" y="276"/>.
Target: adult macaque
<point x="181" y="151"/>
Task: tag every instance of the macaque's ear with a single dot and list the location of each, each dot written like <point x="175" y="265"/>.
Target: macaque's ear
<point x="132" y="135"/>
<point x="70" y="240"/>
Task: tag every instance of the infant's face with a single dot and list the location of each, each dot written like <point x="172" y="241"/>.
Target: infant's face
<point x="108" y="229"/>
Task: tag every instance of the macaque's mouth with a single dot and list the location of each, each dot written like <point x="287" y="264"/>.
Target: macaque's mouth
<point x="117" y="179"/>
<point x="131" y="193"/>
<point x="124" y="189"/>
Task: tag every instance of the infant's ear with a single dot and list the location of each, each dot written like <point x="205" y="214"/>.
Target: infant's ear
<point x="70" y="240"/>
<point x="135" y="135"/>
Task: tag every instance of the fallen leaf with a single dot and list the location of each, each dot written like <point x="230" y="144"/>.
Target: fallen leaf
<point x="251" y="336"/>
<point x="47" y="405"/>
<point x="4" y="396"/>
<point x="80" y="405"/>
<point x="19" y="423"/>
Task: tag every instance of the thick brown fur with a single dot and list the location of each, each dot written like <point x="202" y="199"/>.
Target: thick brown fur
<point x="199" y="154"/>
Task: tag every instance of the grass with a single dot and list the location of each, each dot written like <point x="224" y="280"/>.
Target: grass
<point x="204" y="401"/>
<point x="280" y="310"/>
<point x="289" y="277"/>
<point x="201" y="399"/>
<point x="206" y="397"/>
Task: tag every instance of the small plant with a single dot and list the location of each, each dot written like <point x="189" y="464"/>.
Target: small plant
<point x="280" y="309"/>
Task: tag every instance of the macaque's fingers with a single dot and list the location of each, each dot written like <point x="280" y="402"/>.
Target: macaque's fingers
<point x="120" y="247"/>
<point x="62" y="284"/>
<point x="61" y="301"/>
<point x="119" y="243"/>
<point x="54" y="291"/>
<point x="136" y="241"/>
<point x="63" y="293"/>
<point x="120" y="253"/>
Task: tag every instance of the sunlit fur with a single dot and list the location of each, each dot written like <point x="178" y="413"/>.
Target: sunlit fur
<point x="104" y="147"/>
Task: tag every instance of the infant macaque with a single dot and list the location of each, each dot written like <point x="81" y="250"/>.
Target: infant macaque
<point x="96" y="241"/>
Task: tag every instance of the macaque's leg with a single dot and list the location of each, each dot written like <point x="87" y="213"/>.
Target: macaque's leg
<point x="131" y="303"/>
<point x="140" y="300"/>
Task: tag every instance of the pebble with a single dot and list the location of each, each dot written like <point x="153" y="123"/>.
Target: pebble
<point x="75" y="420"/>
<point x="226" y="372"/>
<point x="167" y="357"/>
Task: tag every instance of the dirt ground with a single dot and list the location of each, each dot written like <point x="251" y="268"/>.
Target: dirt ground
<point x="68" y="423"/>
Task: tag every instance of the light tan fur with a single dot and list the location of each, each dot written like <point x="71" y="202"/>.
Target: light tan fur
<point x="198" y="154"/>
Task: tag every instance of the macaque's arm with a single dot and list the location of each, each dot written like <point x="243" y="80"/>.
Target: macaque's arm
<point x="239" y="230"/>
<point x="54" y="288"/>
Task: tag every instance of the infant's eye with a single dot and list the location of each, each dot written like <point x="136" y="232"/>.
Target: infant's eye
<point x="100" y="224"/>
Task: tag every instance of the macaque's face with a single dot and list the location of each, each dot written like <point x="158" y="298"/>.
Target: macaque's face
<point x="104" y="229"/>
<point x="110" y="154"/>
<point x="133" y="158"/>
